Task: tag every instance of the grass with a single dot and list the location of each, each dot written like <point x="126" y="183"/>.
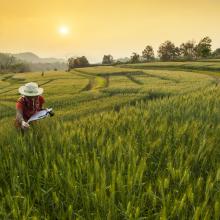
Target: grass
<point x="138" y="144"/>
<point x="208" y="65"/>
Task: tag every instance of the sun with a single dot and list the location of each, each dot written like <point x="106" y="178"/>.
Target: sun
<point x="64" y="30"/>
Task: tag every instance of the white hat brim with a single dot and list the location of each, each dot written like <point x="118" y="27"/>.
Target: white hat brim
<point x="22" y="92"/>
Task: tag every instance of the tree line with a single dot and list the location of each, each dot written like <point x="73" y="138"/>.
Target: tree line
<point x="167" y="51"/>
<point x="9" y="63"/>
<point x="187" y="51"/>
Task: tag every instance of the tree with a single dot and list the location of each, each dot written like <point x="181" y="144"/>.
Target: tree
<point x="77" y="62"/>
<point x="148" y="53"/>
<point x="6" y="61"/>
<point x="187" y="50"/>
<point x="107" y="59"/>
<point x="20" y="68"/>
<point x="83" y="61"/>
<point x="167" y="51"/>
<point x="216" y="53"/>
<point x="135" y="58"/>
<point x="9" y="63"/>
<point x="71" y="63"/>
<point x="203" y="49"/>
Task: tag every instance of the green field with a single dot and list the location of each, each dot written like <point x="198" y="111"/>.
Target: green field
<point x="134" y="141"/>
<point x="208" y="65"/>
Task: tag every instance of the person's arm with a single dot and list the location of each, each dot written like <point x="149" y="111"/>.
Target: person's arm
<point x="19" y="117"/>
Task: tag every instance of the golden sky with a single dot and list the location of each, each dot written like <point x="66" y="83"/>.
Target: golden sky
<point x="98" y="27"/>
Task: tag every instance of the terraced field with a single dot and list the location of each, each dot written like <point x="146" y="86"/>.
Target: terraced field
<point x="127" y="142"/>
<point x="206" y="65"/>
<point x="89" y="90"/>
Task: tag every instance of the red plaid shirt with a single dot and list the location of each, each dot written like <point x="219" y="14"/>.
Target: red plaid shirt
<point x="29" y="106"/>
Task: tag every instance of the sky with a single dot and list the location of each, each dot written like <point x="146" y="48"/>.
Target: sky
<point x="64" y="28"/>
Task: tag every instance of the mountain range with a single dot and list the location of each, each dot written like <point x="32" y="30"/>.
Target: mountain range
<point x="30" y="57"/>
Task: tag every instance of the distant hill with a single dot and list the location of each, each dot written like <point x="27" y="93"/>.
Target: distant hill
<point x="123" y="60"/>
<point x="33" y="58"/>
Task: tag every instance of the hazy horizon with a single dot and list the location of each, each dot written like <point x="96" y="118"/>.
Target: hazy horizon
<point x="61" y="29"/>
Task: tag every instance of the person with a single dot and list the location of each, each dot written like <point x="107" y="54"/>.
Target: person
<point x="28" y="104"/>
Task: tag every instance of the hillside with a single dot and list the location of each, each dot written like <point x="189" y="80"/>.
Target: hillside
<point x="33" y="58"/>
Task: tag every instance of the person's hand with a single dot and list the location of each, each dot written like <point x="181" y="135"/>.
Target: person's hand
<point x="25" y="125"/>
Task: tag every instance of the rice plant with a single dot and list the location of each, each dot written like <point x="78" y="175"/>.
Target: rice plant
<point x="144" y="147"/>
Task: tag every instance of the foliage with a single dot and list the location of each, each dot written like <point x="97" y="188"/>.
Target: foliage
<point x="107" y="59"/>
<point x="77" y="62"/>
<point x="187" y="50"/>
<point x="216" y="53"/>
<point x="9" y="63"/>
<point x="203" y="49"/>
<point x="148" y="53"/>
<point x="168" y="51"/>
<point x="135" y="58"/>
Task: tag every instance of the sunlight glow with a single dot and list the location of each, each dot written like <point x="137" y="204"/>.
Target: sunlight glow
<point x="64" y="30"/>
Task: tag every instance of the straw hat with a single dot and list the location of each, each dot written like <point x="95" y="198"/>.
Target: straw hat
<point x="30" y="89"/>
